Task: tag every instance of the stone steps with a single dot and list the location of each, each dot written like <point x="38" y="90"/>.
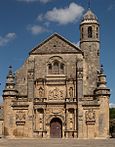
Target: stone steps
<point x="56" y="143"/>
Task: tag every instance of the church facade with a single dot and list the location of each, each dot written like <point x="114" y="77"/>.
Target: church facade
<point x="60" y="91"/>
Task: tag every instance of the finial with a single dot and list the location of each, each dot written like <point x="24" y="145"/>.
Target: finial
<point x="89" y="4"/>
<point x="101" y="70"/>
<point x="10" y="69"/>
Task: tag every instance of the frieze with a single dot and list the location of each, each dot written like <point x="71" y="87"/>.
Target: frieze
<point x="55" y="110"/>
<point x="102" y="91"/>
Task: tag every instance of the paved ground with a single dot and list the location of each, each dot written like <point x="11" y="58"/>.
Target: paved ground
<point x="56" y="143"/>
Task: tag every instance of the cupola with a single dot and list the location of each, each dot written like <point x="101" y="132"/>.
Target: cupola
<point x="89" y="17"/>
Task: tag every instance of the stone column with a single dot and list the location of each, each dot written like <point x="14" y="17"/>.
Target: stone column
<point x="102" y="93"/>
<point x="75" y="115"/>
<point x="66" y="127"/>
<point x="35" y="119"/>
<point x="79" y="95"/>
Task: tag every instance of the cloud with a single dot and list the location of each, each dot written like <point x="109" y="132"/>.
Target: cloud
<point x="36" y="29"/>
<point x="7" y="38"/>
<point x="112" y="105"/>
<point x="42" y="1"/>
<point x="65" y="15"/>
<point x="40" y="17"/>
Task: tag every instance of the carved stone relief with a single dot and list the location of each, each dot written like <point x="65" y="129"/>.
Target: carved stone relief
<point x="80" y="73"/>
<point x="56" y="94"/>
<point x="71" y="92"/>
<point x="39" y="119"/>
<point x="55" y="110"/>
<point x="71" y="118"/>
<point x="90" y="117"/>
<point x="20" y="117"/>
<point x="30" y="74"/>
<point x="41" y="92"/>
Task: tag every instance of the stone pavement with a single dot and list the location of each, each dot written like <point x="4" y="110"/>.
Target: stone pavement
<point x="56" y="143"/>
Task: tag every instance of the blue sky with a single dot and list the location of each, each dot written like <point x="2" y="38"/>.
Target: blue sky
<point x="25" y="23"/>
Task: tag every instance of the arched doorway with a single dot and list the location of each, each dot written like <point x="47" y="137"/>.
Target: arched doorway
<point x="56" y="128"/>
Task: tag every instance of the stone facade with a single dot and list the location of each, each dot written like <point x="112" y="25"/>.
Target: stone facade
<point x="1" y="121"/>
<point x="60" y="91"/>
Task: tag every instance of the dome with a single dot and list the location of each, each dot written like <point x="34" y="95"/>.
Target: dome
<point x="89" y="16"/>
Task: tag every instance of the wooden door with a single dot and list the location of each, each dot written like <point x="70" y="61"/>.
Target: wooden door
<point x="56" y="128"/>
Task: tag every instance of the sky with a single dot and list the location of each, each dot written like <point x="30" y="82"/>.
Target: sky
<point x="25" y="23"/>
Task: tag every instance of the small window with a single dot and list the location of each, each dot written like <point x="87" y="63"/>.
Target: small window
<point x="97" y="30"/>
<point x="89" y="32"/>
<point x="55" y="67"/>
<point x="97" y="35"/>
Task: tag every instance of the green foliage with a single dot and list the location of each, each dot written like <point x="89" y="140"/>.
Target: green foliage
<point x="112" y="113"/>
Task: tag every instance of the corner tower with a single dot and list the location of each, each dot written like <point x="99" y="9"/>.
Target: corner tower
<point x="90" y="45"/>
<point x="9" y="94"/>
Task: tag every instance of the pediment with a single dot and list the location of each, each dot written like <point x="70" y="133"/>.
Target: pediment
<point x="56" y="44"/>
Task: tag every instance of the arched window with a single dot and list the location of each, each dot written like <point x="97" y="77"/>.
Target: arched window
<point x="89" y="32"/>
<point x="56" y="67"/>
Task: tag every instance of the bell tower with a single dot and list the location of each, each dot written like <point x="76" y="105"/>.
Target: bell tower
<point x="90" y="45"/>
